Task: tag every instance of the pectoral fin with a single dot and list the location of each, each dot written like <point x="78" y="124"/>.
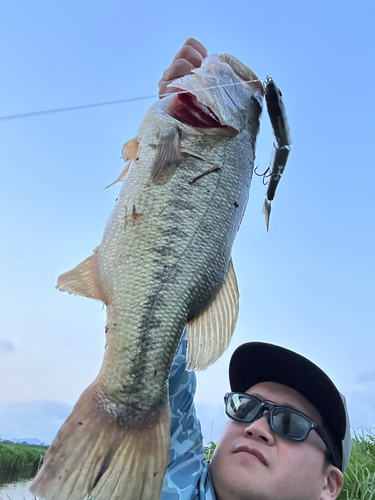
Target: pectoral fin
<point x="83" y="279"/>
<point x="167" y="157"/>
<point x="209" y="334"/>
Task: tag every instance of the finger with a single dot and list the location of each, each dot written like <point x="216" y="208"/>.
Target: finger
<point x="164" y="89"/>
<point x="190" y="56"/>
<point x="193" y="51"/>
<point x="179" y="67"/>
<point x="198" y="46"/>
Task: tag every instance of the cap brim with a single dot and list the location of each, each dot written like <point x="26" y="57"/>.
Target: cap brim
<point x="256" y="362"/>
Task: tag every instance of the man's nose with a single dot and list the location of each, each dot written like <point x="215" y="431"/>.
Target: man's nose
<point x="261" y="429"/>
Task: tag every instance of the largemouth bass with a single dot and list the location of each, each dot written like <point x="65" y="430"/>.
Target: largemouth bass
<point x="164" y="263"/>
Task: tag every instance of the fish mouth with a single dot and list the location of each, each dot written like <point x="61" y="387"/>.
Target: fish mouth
<point x="189" y="110"/>
<point x="221" y="94"/>
<point x="252" y="451"/>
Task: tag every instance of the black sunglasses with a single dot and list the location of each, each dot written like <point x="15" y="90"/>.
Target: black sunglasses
<point x="286" y="422"/>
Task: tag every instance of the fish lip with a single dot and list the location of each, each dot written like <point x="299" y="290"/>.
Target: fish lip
<point x="243" y="72"/>
<point x="252" y="451"/>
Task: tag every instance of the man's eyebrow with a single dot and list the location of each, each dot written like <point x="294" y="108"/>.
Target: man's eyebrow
<point x="257" y="395"/>
<point x="287" y="405"/>
<point x="262" y="398"/>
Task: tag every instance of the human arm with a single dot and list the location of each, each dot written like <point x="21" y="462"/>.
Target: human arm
<point x="186" y="456"/>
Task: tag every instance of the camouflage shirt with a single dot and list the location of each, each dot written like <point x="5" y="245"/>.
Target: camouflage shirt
<point x="187" y="476"/>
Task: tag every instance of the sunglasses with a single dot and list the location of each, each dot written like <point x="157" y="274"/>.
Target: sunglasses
<point x="286" y="422"/>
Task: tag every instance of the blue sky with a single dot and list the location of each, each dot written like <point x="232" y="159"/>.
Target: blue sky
<point x="308" y="284"/>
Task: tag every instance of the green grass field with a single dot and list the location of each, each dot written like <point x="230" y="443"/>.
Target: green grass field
<point x="17" y="456"/>
<point x="360" y="475"/>
<point x="359" y="481"/>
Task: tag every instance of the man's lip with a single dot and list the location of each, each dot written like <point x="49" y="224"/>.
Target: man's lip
<point x="252" y="451"/>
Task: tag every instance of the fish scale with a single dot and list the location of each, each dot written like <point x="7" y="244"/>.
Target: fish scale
<point x="204" y="229"/>
<point x="161" y="273"/>
<point x="164" y="263"/>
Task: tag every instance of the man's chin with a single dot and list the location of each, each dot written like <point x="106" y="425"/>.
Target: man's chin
<point x="238" y="475"/>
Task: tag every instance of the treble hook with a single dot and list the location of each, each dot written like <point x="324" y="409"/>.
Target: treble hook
<point x="264" y="175"/>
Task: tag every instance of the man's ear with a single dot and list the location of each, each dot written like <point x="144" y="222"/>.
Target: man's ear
<point x="333" y="483"/>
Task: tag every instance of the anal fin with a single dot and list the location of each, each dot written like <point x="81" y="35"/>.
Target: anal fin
<point x="83" y="279"/>
<point x="209" y="334"/>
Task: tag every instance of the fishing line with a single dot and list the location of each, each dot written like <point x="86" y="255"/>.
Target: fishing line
<point x="120" y="101"/>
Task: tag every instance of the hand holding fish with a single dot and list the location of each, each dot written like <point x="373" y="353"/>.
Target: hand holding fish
<point x="189" y="57"/>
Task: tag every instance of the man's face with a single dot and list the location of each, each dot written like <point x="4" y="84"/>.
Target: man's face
<point x="251" y="462"/>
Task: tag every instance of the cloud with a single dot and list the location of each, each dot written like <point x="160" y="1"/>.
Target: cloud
<point x="33" y="419"/>
<point x="359" y="391"/>
<point x="361" y="403"/>
<point x="6" y="347"/>
<point x="366" y="377"/>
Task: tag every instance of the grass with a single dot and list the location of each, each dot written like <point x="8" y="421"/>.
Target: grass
<point x="209" y="450"/>
<point x="17" y="456"/>
<point x="359" y="476"/>
<point x="359" y="482"/>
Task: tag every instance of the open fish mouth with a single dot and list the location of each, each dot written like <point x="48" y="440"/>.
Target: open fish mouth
<point x="189" y="110"/>
<point x="216" y="94"/>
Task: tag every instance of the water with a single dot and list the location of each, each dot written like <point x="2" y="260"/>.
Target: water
<point x="15" y="485"/>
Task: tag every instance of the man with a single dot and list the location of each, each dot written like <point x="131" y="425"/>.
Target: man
<point x="288" y="432"/>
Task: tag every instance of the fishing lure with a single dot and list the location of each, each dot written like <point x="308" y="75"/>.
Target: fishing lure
<point x="281" y="147"/>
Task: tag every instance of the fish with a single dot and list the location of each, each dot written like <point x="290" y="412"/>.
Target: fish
<point x="164" y="263"/>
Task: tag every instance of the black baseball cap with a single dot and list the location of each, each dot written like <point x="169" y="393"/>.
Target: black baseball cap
<point x="256" y="362"/>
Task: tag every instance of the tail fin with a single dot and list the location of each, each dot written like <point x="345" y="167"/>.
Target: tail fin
<point x="97" y="458"/>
